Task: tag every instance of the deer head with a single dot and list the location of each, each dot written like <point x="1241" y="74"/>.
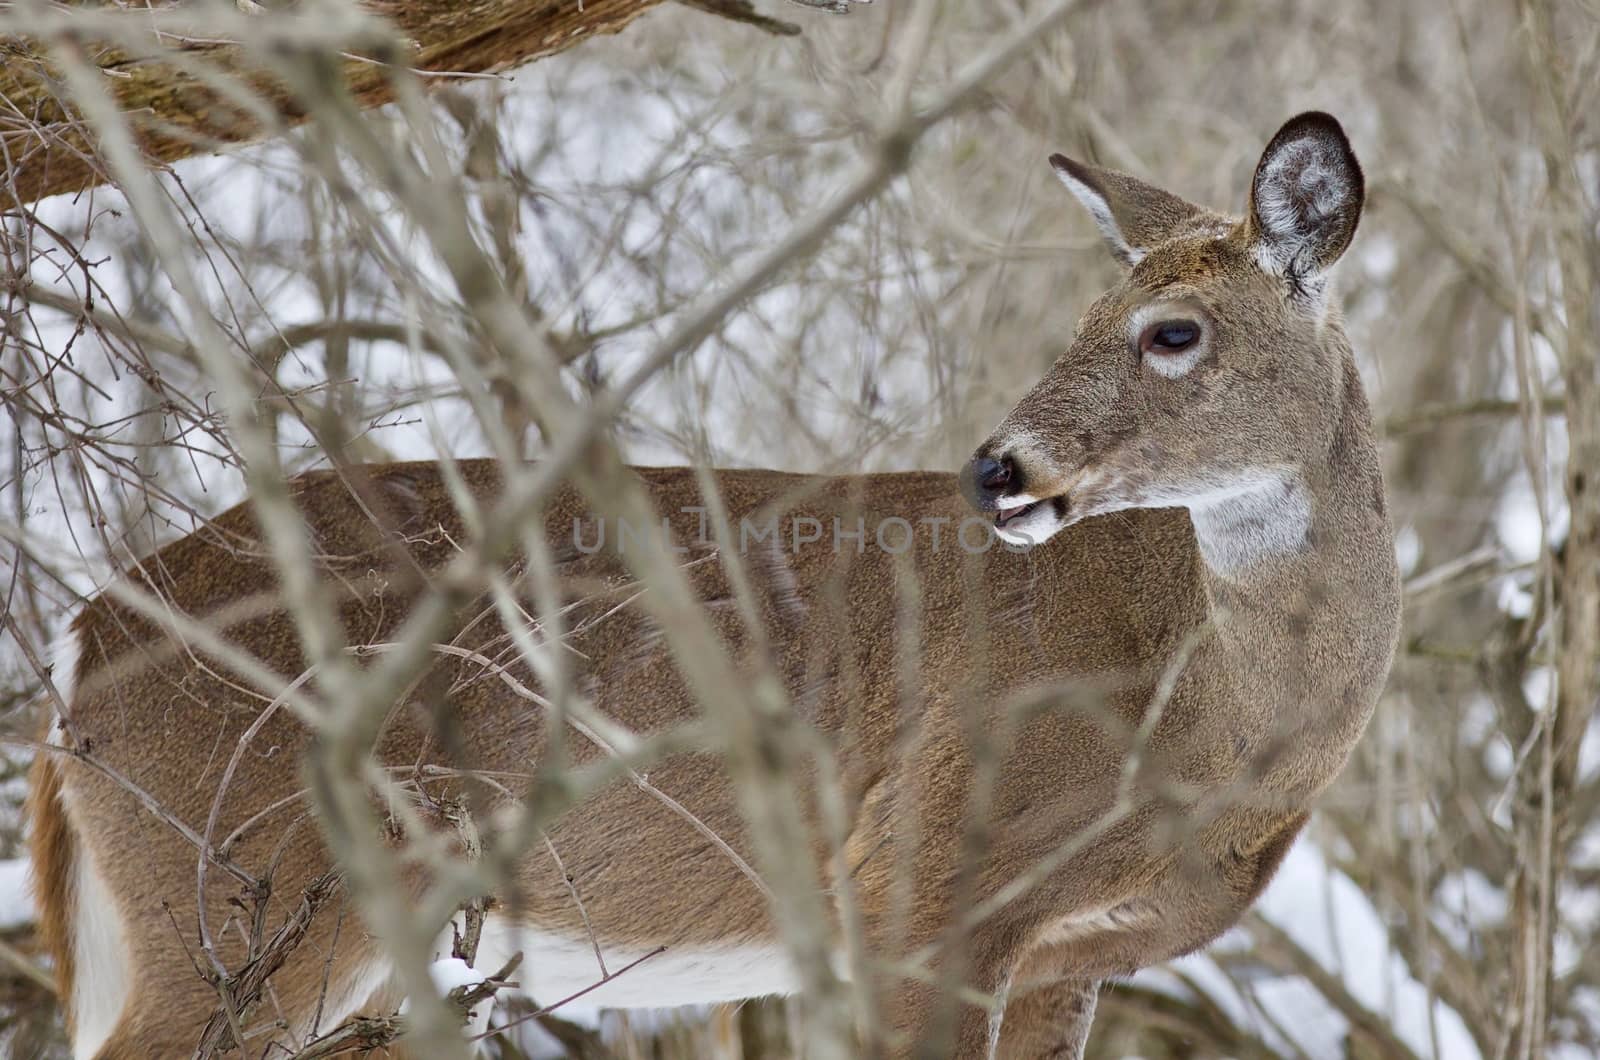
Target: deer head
<point x="1203" y="379"/>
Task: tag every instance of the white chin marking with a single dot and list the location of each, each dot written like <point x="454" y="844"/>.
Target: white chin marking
<point x="1035" y="528"/>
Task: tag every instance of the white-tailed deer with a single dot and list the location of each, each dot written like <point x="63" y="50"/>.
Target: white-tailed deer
<point x="1167" y="678"/>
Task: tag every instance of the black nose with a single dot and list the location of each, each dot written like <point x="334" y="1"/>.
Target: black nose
<point x="993" y="475"/>
<point x="984" y="480"/>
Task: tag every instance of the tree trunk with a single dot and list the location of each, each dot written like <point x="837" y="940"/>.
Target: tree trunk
<point x="159" y="79"/>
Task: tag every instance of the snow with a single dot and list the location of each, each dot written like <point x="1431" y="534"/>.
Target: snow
<point x="1407" y="549"/>
<point x="448" y="973"/>
<point x="1329" y="917"/>
<point x="451" y="972"/>
<point x="16" y="894"/>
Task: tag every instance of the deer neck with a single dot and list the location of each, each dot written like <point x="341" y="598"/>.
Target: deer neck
<point x="1296" y="545"/>
<point x="1300" y="579"/>
<point x="1320" y="519"/>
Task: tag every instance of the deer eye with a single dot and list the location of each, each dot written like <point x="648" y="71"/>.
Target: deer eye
<point x="1169" y="336"/>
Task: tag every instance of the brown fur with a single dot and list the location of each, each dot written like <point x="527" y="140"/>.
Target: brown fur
<point x="50" y="847"/>
<point x="1045" y="661"/>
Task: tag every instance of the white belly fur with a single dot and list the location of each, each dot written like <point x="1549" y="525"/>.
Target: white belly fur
<point x="555" y="967"/>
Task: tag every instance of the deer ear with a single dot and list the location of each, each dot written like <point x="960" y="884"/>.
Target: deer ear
<point x="1305" y="200"/>
<point x="1132" y="216"/>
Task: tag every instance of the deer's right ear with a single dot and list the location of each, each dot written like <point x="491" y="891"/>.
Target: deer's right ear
<point x="1132" y="216"/>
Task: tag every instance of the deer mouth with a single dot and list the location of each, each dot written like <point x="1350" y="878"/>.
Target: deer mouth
<point x="1009" y="515"/>
<point x="1033" y="521"/>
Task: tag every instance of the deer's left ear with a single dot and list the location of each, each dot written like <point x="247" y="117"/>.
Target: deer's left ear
<point x="1305" y="200"/>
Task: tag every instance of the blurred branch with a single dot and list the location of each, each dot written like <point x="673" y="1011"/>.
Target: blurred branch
<point x="1474" y="565"/>
<point x="1425" y="417"/>
<point x="27" y="967"/>
<point x="1276" y="947"/>
<point x="1548" y="830"/>
<point x="579" y="1041"/>
<point x="1473" y="259"/>
<point x="1457" y="977"/>
<point x="1191" y="1025"/>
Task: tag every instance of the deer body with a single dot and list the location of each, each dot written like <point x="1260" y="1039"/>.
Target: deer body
<point x="1225" y="624"/>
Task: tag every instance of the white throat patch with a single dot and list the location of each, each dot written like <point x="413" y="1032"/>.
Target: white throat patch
<point x="1260" y="516"/>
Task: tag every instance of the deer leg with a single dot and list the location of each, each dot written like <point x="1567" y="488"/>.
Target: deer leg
<point x="935" y="1026"/>
<point x="1048" y="1021"/>
<point x="931" y="1020"/>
